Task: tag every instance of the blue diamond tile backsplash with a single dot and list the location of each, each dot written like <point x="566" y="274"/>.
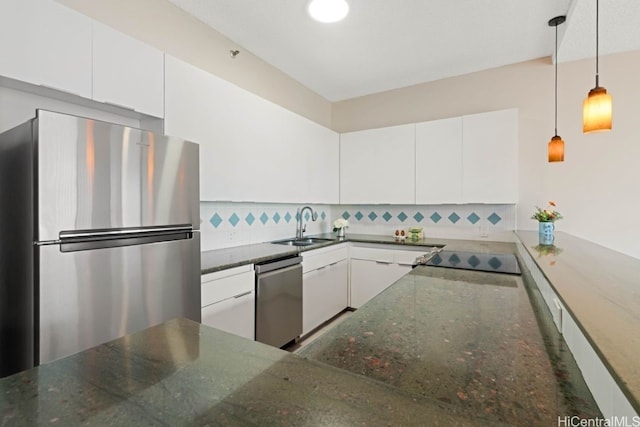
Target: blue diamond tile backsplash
<point x="225" y="224"/>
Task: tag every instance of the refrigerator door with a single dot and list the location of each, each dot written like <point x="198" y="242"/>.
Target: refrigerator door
<point x="88" y="297"/>
<point x="93" y="175"/>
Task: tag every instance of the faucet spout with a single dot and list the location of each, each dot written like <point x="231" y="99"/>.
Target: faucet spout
<point x="300" y="228"/>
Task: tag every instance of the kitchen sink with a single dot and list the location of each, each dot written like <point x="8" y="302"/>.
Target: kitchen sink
<point x="305" y="241"/>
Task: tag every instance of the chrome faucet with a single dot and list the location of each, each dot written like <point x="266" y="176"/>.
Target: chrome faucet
<point x="300" y="229"/>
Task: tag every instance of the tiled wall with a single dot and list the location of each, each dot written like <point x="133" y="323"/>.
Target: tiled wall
<point x="455" y="221"/>
<point x="228" y="224"/>
<point x="225" y="224"/>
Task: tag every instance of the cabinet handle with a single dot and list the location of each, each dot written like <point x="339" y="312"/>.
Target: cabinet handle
<point x="384" y="262"/>
<point x="333" y="263"/>
<point x="126" y="107"/>
<point x="46" y="86"/>
<point x="243" y="294"/>
<point x="557" y="303"/>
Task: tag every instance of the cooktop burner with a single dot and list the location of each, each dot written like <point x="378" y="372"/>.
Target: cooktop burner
<point x="495" y="263"/>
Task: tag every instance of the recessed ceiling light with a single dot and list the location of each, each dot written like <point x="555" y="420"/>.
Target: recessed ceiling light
<point x="328" y="10"/>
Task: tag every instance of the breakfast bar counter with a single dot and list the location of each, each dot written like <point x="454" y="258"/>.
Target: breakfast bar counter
<point x="183" y="373"/>
<point x="599" y="289"/>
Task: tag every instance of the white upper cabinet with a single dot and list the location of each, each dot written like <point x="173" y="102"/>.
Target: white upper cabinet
<point x="439" y="161"/>
<point x="45" y="43"/>
<point x="490" y="157"/>
<point x="127" y="72"/>
<point x="378" y="166"/>
<point x="250" y="149"/>
<point x="468" y="159"/>
<point x="314" y="168"/>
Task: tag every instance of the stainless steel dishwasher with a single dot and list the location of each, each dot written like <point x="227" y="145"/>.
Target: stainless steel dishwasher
<point x="279" y="301"/>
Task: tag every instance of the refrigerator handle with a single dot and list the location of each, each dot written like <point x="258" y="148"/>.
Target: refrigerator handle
<point x="120" y="232"/>
<point x="82" y="240"/>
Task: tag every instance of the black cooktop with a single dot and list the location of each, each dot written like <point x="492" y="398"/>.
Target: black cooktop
<point x="495" y="263"/>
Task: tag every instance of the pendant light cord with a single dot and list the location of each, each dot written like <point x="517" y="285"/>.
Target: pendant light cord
<point x="556" y="85"/>
<point x="597" y="41"/>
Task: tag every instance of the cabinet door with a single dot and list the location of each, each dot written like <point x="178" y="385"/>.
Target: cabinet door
<point x="45" y="43"/>
<point x="234" y="315"/>
<point x="127" y="72"/>
<point x="320" y="163"/>
<point x="439" y="161"/>
<point x="250" y="148"/>
<point x="239" y="154"/>
<point x="378" y="166"/>
<point x="369" y="278"/>
<point x="325" y="294"/>
<point x="188" y="91"/>
<point x="228" y="300"/>
<point x="490" y="157"/>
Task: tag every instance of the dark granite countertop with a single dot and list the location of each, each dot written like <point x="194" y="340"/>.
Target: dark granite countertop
<point x="601" y="289"/>
<point x="183" y="373"/>
<point x="221" y="259"/>
<point x="469" y="339"/>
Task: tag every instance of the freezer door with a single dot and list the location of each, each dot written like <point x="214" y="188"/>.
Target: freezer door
<point x="88" y="297"/>
<point x="95" y="175"/>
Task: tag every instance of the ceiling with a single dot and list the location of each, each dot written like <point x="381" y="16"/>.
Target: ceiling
<point x="384" y="45"/>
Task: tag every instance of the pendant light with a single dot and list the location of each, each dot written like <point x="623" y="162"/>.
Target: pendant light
<point x="596" y="108"/>
<point x="556" y="145"/>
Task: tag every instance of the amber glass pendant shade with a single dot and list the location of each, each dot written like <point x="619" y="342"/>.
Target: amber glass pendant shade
<point x="597" y="111"/>
<point x="556" y="149"/>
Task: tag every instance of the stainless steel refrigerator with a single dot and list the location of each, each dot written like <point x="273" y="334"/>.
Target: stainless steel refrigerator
<point x="99" y="235"/>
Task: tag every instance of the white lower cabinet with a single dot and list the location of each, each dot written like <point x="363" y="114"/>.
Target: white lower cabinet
<point x="228" y="300"/>
<point x="369" y="278"/>
<point x="324" y="285"/>
<point x="374" y="269"/>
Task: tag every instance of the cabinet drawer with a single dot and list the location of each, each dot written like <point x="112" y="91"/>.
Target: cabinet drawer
<point x="323" y="257"/>
<point x="369" y="278"/>
<point x="215" y="290"/>
<point x="233" y="315"/>
<point x="373" y="254"/>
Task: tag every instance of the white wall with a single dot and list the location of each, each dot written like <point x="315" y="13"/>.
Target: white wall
<point x="595" y="188"/>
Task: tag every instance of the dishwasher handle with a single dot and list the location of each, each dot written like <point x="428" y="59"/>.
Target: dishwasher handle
<point x="277" y="264"/>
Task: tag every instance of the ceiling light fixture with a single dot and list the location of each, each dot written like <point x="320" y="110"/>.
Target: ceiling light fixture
<point x="556" y="145"/>
<point x="328" y="11"/>
<point x="597" y="110"/>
